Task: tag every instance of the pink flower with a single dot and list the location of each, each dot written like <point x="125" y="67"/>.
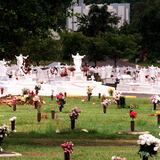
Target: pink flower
<point x="67" y="147"/>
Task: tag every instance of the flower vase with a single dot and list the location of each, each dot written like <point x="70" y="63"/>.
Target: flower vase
<point x="72" y="123"/>
<point x="104" y="109"/>
<point x="89" y="96"/>
<point x="60" y="108"/>
<point x="154" y="106"/>
<point x="118" y="103"/>
<point x="14" y="107"/>
<point x="144" y="158"/>
<point x="36" y="104"/>
<point x="52" y="97"/>
<point x="158" y="119"/>
<point x="13" y="125"/>
<point x="53" y="114"/>
<point x="2" y="90"/>
<point x="38" y="116"/>
<point x="66" y="156"/>
<point x="99" y="95"/>
<point x="132" y="126"/>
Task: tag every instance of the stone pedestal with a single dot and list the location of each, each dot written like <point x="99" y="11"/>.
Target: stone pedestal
<point x="78" y="76"/>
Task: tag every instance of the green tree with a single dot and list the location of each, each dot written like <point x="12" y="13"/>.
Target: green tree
<point x="73" y="42"/>
<point x="39" y="49"/>
<point x="122" y="46"/>
<point x="98" y="21"/>
<point x="96" y="49"/>
<point x="149" y="25"/>
<point x="22" y="19"/>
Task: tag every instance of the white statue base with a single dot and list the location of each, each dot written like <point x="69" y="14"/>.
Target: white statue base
<point x="78" y="76"/>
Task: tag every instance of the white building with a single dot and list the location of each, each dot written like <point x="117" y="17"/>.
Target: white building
<point x="122" y="10"/>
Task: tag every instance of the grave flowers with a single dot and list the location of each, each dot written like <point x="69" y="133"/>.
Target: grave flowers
<point x="60" y="101"/>
<point x="3" y="133"/>
<point x="74" y="115"/>
<point x="116" y="98"/>
<point x="133" y="115"/>
<point x="68" y="149"/>
<point x="105" y="104"/>
<point x="13" y="123"/>
<point x="149" y="146"/>
<point x="154" y="100"/>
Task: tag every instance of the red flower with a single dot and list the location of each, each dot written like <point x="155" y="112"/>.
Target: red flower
<point x="67" y="147"/>
<point x="133" y="114"/>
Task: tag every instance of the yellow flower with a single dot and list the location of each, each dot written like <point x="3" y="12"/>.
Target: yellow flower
<point x="157" y="113"/>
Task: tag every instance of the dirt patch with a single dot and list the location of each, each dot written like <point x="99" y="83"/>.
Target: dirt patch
<point x="39" y="154"/>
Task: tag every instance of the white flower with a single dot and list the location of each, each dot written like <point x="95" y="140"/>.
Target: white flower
<point x="57" y="131"/>
<point x="155" y="148"/>
<point x="1" y="149"/>
<point x="85" y="130"/>
<point x="113" y="158"/>
<point x="13" y="118"/>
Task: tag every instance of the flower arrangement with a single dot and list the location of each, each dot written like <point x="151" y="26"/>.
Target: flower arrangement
<point x="60" y="101"/>
<point x="106" y="102"/>
<point x="118" y="158"/>
<point x="71" y="68"/>
<point x="74" y="113"/>
<point x="67" y="147"/>
<point x="132" y="114"/>
<point x="110" y="91"/>
<point x="155" y="99"/>
<point x="3" y="133"/>
<point x="117" y="95"/>
<point x="149" y="145"/>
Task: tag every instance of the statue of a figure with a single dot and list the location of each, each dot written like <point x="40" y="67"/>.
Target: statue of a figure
<point x="3" y="62"/>
<point x="77" y="59"/>
<point x="3" y="67"/>
<point x="20" y="60"/>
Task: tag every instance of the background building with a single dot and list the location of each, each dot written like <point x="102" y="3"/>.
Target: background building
<point x="122" y="10"/>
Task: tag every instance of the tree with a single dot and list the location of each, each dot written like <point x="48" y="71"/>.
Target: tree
<point x="39" y="49"/>
<point x="73" y="42"/>
<point x="96" y="49"/>
<point x="121" y="45"/>
<point x="22" y="19"/>
<point x="149" y="24"/>
<point x="98" y="21"/>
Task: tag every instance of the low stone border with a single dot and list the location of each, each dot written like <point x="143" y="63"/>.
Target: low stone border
<point x="9" y="154"/>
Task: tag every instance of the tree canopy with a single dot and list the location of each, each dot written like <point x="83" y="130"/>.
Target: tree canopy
<point x="98" y="21"/>
<point x="22" y="19"/>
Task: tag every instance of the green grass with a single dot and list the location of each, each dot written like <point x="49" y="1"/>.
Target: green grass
<point x="39" y="140"/>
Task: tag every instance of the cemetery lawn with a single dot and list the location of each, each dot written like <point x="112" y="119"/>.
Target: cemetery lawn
<point x="38" y="140"/>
